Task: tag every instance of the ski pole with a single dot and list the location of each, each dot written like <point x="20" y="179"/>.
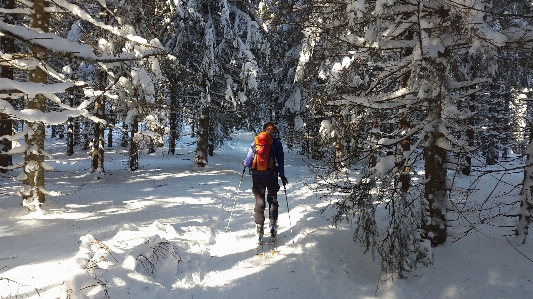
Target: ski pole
<point x="235" y="200"/>
<point x="288" y="212"/>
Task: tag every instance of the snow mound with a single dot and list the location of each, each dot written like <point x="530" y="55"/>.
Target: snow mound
<point x="135" y="260"/>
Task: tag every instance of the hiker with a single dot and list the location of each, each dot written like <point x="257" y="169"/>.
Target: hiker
<point x="265" y="178"/>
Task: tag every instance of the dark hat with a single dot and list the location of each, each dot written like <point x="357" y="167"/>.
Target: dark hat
<point x="268" y="124"/>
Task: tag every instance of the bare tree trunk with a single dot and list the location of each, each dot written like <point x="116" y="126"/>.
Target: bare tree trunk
<point x="85" y="139"/>
<point x="470" y="135"/>
<point x="405" y="176"/>
<point x="291" y="130"/>
<point x="151" y="145"/>
<point x="173" y="130"/>
<point x="124" y="138"/>
<point x="33" y="158"/>
<point x="110" y="137"/>
<point x="99" y="129"/>
<point x="77" y="131"/>
<point x="6" y="123"/>
<point x="111" y="124"/>
<point x="70" y="136"/>
<point x="525" y="214"/>
<point x="434" y="207"/>
<point x="203" y="135"/>
<point x="373" y="160"/>
<point x="70" y="130"/>
<point x="98" y="141"/>
<point x="134" y="150"/>
<point x="60" y="129"/>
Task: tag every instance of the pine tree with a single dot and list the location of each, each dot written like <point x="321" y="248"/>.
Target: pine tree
<point x="7" y="45"/>
<point x="48" y="88"/>
<point x="34" y="138"/>
<point x="400" y="65"/>
<point x="515" y="70"/>
<point x="216" y="44"/>
<point x="283" y="102"/>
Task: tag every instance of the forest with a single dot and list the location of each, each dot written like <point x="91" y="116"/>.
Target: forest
<point x="387" y="97"/>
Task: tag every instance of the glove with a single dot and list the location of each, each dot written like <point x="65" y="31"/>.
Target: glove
<point x="284" y="180"/>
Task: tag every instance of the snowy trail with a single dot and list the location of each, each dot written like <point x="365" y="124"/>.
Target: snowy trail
<point x="196" y="203"/>
<point x="189" y="206"/>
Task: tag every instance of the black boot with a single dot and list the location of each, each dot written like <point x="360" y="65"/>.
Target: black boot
<point x="273" y="230"/>
<point x="259" y="229"/>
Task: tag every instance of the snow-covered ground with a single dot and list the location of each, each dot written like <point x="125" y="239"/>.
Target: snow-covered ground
<point x="160" y="232"/>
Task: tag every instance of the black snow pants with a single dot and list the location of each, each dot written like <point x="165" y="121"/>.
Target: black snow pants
<point x="259" y="186"/>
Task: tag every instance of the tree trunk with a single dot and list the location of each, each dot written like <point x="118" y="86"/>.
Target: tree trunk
<point x="124" y="138"/>
<point x="99" y="129"/>
<point x="76" y="131"/>
<point x="373" y="159"/>
<point x="60" y="131"/>
<point x="73" y="128"/>
<point x="434" y="207"/>
<point x="98" y="141"/>
<point x="470" y="134"/>
<point x="70" y="136"/>
<point x="172" y="132"/>
<point x="291" y="130"/>
<point x="494" y="117"/>
<point x="6" y="123"/>
<point x="70" y="130"/>
<point x="203" y="135"/>
<point x="86" y="140"/>
<point x="110" y="137"/>
<point x="525" y="214"/>
<point x="405" y="176"/>
<point x="174" y="119"/>
<point x="151" y="145"/>
<point x="134" y="150"/>
<point x="33" y="158"/>
<point x="405" y="125"/>
<point x="505" y="122"/>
